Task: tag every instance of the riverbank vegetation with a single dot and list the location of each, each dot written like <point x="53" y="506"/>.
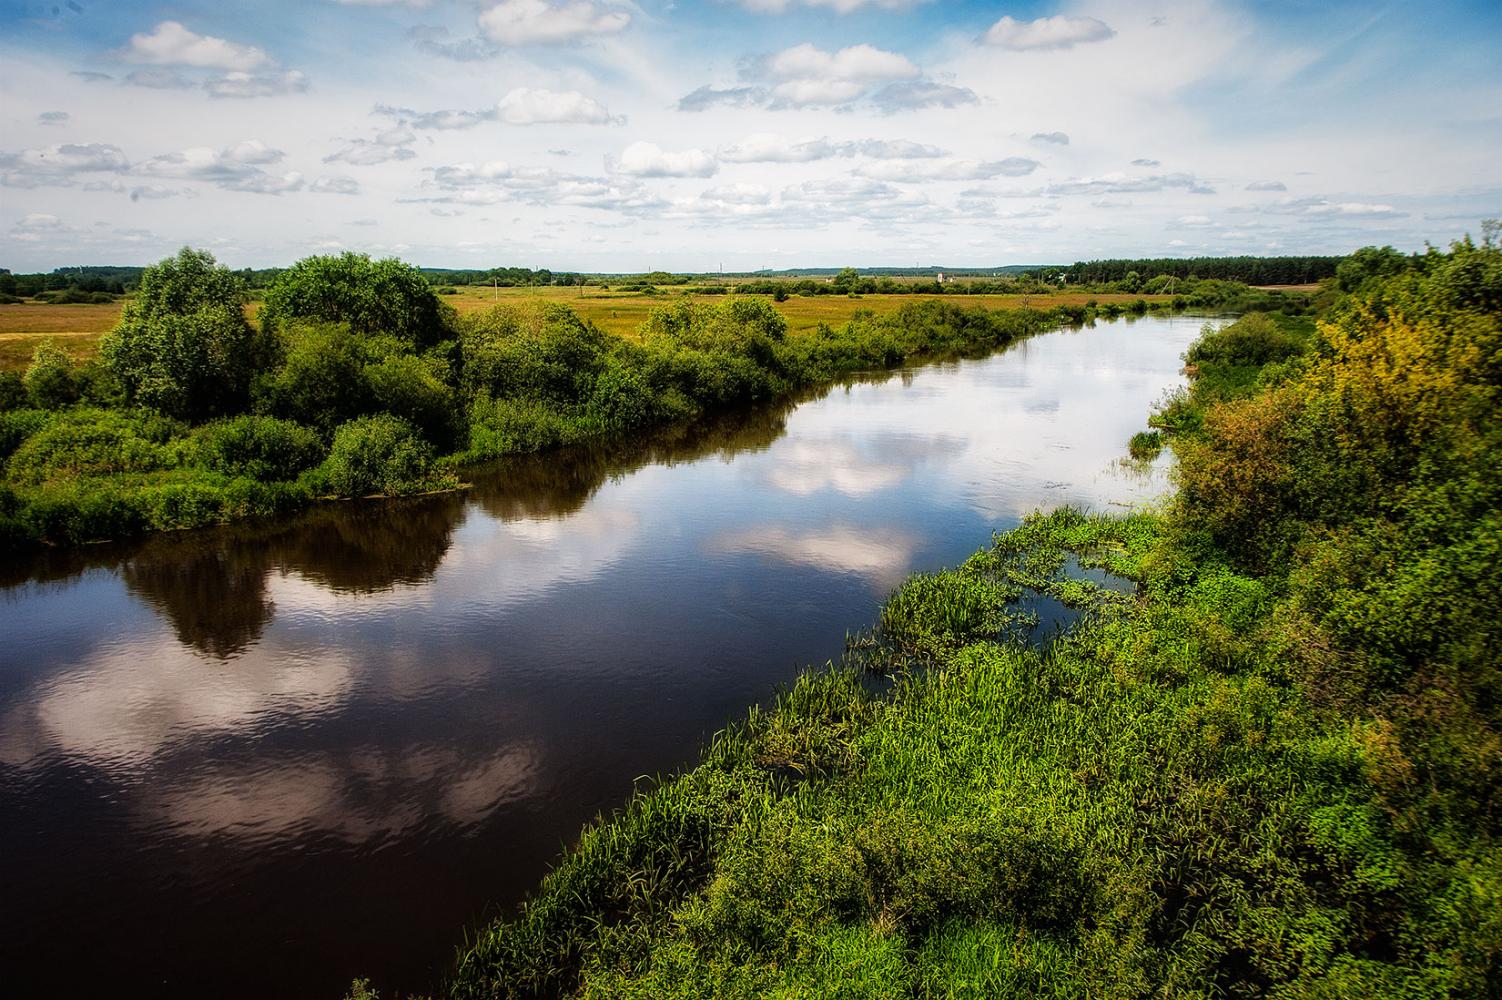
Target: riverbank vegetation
<point x="1273" y="770"/>
<point x="353" y="377"/>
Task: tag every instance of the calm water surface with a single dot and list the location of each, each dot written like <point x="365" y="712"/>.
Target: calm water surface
<point x="259" y="761"/>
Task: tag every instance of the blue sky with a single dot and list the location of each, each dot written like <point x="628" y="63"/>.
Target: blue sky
<point x="596" y="135"/>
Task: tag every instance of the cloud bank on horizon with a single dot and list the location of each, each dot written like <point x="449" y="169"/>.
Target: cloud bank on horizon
<point x="610" y="135"/>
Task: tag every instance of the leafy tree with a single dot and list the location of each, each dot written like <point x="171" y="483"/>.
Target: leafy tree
<point x="847" y="280"/>
<point x="371" y="296"/>
<point x="1368" y="263"/>
<point x="184" y="346"/>
<point x="49" y="380"/>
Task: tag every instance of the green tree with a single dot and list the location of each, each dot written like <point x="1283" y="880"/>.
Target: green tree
<point x="370" y="296"/>
<point x="49" y="381"/>
<point x="847" y="280"/>
<point x="183" y="345"/>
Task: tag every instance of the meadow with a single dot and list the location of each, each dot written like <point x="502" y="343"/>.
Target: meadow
<point x="78" y="328"/>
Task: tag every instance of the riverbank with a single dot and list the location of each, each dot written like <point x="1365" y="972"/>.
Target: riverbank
<point x="1272" y="771"/>
<point x="347" y="401"/>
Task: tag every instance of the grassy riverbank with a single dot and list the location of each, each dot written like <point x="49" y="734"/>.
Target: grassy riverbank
<point x="1272" y="771"/>
<point x="355" y="379"/>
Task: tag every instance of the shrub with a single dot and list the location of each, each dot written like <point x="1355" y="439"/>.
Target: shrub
<point x="18" y="425"/>
<point x="13" y="393"/>
<point x="258" y="447"/>
<point x="49" y="379"/>
<point x="321" y="381"/>
<point x="416" y="390"/>
<point x="380" y="454"/>
<point x="92" y="443"/>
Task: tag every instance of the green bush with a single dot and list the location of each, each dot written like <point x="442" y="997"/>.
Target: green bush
<point x="380" y="454"/>
<point x="13" y="395"/>
<point x="18" y="425"/>
<point x="261" y="448"/>
<point x="49" y="380"/>
<point x="321" y="380"/>
<point x="85" y="443"/>
<point x="417" y="390"/>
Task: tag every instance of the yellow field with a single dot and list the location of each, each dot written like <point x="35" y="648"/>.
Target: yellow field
<point x="77" y="328"/>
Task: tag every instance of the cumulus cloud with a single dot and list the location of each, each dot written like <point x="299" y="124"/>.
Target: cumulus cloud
<point x="444" y="120"/>
<point x="172" y="44"/>
<point x="949" y="170"/>
<point x="769" y="147"/>
<point x="916" y="95"/>
<point x="245" y="85"/>
<point x="58" y="166"/>
<point x="388" y="146"/>
<point x="1047" y="33"/>
<point x="157" y="79"/>
<point x="537" y="22"/>
<point x="806" y="76"/>
<point x="1146" y="163"/>
<point x="707" y="97"/>
<point x="532" y="106"/>
<point x="1051" y="138"/>
<point x="1117" y="183"/>
<point x="335" y="184"/>
<point x="53" y="118"/>
<point x="1267" y="186"/>
<point x="647" y="159"/>
<point x="236" y="168"/>
<point x="1324" y="208"/>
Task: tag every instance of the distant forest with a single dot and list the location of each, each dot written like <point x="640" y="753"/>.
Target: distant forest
<point x="77" y="282"/>
<point x="1248" y="270"/>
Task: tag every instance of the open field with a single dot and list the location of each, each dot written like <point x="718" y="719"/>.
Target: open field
<point x="77" y="328"/>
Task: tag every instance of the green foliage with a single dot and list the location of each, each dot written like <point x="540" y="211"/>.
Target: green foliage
<point x="183" y="345"/>
<point x="13" y="394"/>
<point x="49" y="379"/>
<point x="381" y="454"/>
<point x="320" y="381"/>
<point x="260" y="448"/>
<point x="89" y="443"/>
<point x="381" y="297"/>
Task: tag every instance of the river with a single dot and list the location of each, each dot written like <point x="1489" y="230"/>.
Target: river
<point x="261" y="760"/>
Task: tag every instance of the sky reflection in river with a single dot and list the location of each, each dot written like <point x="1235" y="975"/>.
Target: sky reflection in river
<point x="334" y="741"/>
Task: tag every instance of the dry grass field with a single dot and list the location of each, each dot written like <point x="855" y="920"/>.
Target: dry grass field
<point x="77" y="328"/>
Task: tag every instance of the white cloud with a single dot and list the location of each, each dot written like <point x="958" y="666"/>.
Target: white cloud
<point x="237" y="168"/>
<point x="1267" y="186"/>
<point x="806" y="76"/>
<point x="1051" y="138"/>
<point x="171" y="44"/>
<point x="536" y="22"/>
<point x="646" y="159"/>
<point x="532" y="106"/>
<point x="55" y="166"/>
<point x="257" y="84"/>
<point x="1057" y="32"/>
<point x="862" y="63"/>
<point x="335" y="184"/>
<point x="949" y="170"/>
<point x="915" y="95"/>
<point x="53" y="118"/>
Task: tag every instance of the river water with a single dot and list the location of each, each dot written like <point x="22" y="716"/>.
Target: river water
<point x="261" y="760"/>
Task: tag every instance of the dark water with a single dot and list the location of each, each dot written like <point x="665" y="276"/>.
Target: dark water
<point x="259" y="761"/>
